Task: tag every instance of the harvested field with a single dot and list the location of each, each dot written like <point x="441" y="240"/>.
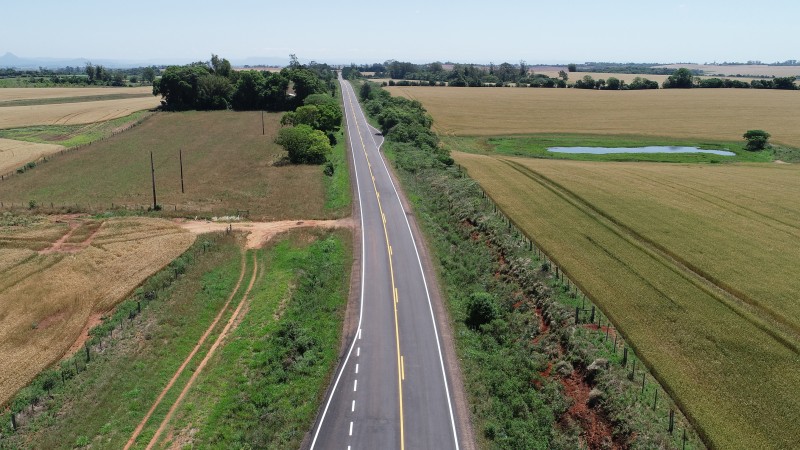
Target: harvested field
<point x="228" y="166"/>
<point x="722" y="114"/>
<point x="57" y="273"/>
<point x="695" y="264"/>
<point x="73" y="113"/>
<point x="14" y="94"/>
<point x="14" y="154"/>
<point x="741" y="69"/>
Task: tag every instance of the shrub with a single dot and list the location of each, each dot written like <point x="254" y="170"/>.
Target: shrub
<point x="756" y="140"/>
<point x="481" y="309"/>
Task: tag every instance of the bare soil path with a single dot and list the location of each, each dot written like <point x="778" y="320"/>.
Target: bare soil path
<point x="261" y="232"/>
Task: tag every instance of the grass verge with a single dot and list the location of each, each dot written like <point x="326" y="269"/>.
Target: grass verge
<point x="536" y="146"/>
<point x="264" y="387"/>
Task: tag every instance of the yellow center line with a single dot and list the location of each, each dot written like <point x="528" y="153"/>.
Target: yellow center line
<point x="400" y="369"/>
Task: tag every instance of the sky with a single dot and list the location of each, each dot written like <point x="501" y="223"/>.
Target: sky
<point x="341" y="32"/>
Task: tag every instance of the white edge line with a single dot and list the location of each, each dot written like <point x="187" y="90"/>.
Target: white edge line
<point x="361" y="306"/>
<point x="424" y="282"/>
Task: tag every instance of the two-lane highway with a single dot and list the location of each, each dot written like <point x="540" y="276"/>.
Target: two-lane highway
<point x="391" y="390"/>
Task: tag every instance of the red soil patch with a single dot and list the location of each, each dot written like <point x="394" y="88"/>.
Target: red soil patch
<point x="596" y="429"/>
<point x="93" y="321"/>
<point x="62" y="246"/>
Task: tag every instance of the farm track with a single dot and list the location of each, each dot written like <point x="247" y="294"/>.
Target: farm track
<point x="200" y="342"/>
<point x="234" y="319"/>
<point x="738" y="302"/>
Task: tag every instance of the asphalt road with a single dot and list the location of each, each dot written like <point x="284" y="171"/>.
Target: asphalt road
<point x="392" y="389"/>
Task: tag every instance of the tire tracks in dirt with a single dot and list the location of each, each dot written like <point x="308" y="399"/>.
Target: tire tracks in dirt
<point x="200" y="342"/>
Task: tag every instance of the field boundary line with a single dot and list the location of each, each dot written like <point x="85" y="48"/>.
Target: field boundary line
<point x="672" y="262"/>
<point x="222" y="335"/>
<point x="180" y="370"/>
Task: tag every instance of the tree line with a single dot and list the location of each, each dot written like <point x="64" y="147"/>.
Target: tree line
<point x="89" y="75"/>
<point x="214" y="85"/>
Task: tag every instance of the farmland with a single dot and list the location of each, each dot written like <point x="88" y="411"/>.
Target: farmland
<point x="717" y="114"/>
<point x="228" y="166"/>
<point x="14" y="154"/>
<point x="8" y="95"/>
<point x="73" y="113"/>
<point x="55" y="283"/>
<point x="694" y="264"/>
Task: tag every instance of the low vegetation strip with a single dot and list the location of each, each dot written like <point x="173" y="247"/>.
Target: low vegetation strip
<point x="727" y="369"/>
<point x="54" y="284"/>
<point x="719" y="114"/>
<point x="263" y="387"/>
<point x="133" y="355"/>
<point x="59" y="100"/>
<point x="16" y="154"/>
<point x="73" y="113"/>
<point x="14" y="94"/>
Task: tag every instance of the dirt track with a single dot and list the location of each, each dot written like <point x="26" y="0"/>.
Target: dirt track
<point x="261" y="232"/>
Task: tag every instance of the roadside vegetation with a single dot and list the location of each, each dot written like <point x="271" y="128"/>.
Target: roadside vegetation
<point x="281" y="352"/>
<point x="534" y="378"/>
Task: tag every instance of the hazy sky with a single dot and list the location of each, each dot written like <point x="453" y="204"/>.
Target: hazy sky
<point x="409" y="30"/>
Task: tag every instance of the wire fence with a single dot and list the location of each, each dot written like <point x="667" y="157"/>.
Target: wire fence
<point x="589" y="316"/>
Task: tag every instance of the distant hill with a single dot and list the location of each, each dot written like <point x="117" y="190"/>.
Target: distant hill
<point x="10" y="60"/>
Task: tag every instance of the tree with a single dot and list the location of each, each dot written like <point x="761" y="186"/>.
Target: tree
<point x="784" y="83"/>
<point x="523" y="68"/>
<point x="481" y="309"/>
<point x="613" y="84"/>
<point x="221" y="67"/>
<point x="563" y="75"/>
<point x="680" y="79"/>
<point x="366" y="91"/>
<point x="179" y="86"/>
<point x="248" y="93"/>
<point x="587" y="82"/>
<point x="213" y="92"/>
<point x="149" y="74"/>
<point x="572" y="68"/>
<point x="756" y="140"/>
<point x="304" y="144"/>
<point x="90" y="72"/>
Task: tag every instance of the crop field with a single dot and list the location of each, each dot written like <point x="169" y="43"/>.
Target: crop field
<point x="695" y="264"/>
<point x="16" y="94"/>
<point x="54" y="281"/>
<point x="73" y="113"/>
<point x="741" y="69"/>
<point x="14" y="154"/>
<point x="228" y="166"/>
<point x="721" y="114"/>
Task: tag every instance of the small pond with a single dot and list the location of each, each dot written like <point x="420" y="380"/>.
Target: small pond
<point x="650" y="149"/>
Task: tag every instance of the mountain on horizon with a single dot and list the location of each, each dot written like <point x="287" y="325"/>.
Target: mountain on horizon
<point x="10" y="60"/>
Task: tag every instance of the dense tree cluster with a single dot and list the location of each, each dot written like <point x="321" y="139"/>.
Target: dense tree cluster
<point x="404" y="122"/>
<point x="311" y="130"/>
<point x="215" y="85"/>
<point x="91" y="74"/>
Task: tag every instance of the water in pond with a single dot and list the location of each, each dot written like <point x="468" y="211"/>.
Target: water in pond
<point x="650" y="149"/>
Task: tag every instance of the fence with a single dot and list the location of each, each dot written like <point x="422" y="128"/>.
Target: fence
<point x="31" y="164"/>
<point x="651" y="394"/>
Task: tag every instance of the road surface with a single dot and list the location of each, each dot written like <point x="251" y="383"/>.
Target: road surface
<point x="392" y="389"/>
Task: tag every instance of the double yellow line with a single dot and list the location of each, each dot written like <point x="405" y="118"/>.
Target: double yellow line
<point x="400" y="368"/>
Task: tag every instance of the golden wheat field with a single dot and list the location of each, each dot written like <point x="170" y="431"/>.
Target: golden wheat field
<point x="695" y="264"/>
<point x="11" y="94"/>
<point x="57" y="274"/>
<point x="14" y="154"/>
<point x="73" y="113"/>
<point x="722" y="114"/>
<point x="741" y="69"/>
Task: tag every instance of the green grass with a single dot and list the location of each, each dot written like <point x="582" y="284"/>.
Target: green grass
<point x="338" y="193"/>
<point x="536" y="146"/>
<point x="104" y="403"/>
<point x="71" y="135"/>
<point x="228" y="167"/>
<point x="662" y="249"/>
<point x="263" y="389"/>
<point x="53" y="101"/>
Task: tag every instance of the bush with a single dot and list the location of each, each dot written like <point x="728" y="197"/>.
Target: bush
<point x="304" y="144"/>
<point x="481" y="309"/>
<point x="756" y="140"/>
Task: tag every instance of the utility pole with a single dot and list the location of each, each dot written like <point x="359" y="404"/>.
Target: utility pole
<point x="180" y="158"/>
<point x="153" y="176"/>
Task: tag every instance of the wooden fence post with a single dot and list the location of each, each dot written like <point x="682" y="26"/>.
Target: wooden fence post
<point x="671" y="420"/>
<point x="625" y="357"/>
